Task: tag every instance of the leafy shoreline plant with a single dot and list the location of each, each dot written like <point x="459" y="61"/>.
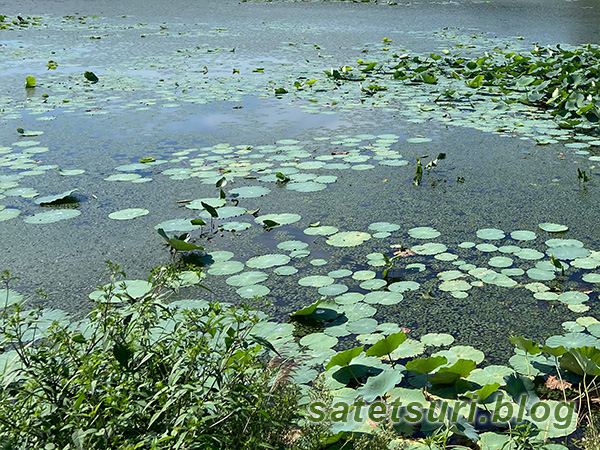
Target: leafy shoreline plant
<point x="140" y="373"/>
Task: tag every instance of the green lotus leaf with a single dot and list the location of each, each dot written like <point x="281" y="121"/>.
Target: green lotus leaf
<point x="383" y="298"/>
<point x="362" y="275"/>
<point x="387" y="345"/>
<point x="567" y="252"/>
<point x="266" y="261"/>
<point x="403" y="286"/>
<point x="426" y="365"/>
<point x="350" y="298"/>
<point x="453" y="354"/>
<point x="54" y="199"/>
<point x="197" y="204"/>
<point x="318" y="340"/>
<point x="450" y="275"/>
<point x="500" y="261"/>
<point x="356" y="311"/>
<point x="235" y="226"/>
<point x="292" y="245"/>
<point x="285" y="270"/>
<point x="306" y="186"/>
<point x="52" y="216"/>
<point x="380" y="385"/>
<point x="362" y="326"/>
<point x="333" y="289"/>
<point x="316" y="281"/>
<point x="9" y="213"/>
<point x="225" y="268"/>
<point x="128" y="214"/>
<point x="449" y="375"/>
<point x="307" y="311"/>
<point x="341" y="273"/>
<point x="541" y="275"/>
<point x="252" y="291"/>
<point x="320" y="231"/>
<point x="247" y="278"/>
<point x="591" y="278"/>
<point x="437" y="339"/>
<point x="344" y="358"/>
<point x="572" y="341"/>
<point x="177" y="225"/>
<point x="454" y="285"/>
<point x="553" y="227"/>
<point x="430" y="248"/>
<point x="486" y="248"/>
<point x="384" y="226"/>
<point x="249" y="192"/>
<point x="529" y="254"/>
<point x="408" y="349"/>
<point x="424" y="233"/>
<point x="523" y="235"/>
<point x="348" y="238"/>
<point x="490" y="234"/>
<point x="573" y="297"/>
<point x="490" y="375"/>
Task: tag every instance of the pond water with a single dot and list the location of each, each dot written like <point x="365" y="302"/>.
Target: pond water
<point x="198" y="93"/>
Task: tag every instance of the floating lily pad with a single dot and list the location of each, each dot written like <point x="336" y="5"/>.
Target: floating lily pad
<point x="573" y="297"/>
<point x="466" y="244"/>
<point x="282" y="219"/>
<point x="341" y="273"/>
<point x="461" y="352"/>
<point x="383" y="298"/>
<point x="225" y="268"/>
<point x="9" y="213"/>
<point x="487" y="248"/>
<point x="437" y="339"/>
<point x="384" y="226"/>
<point x="568" y="252"/>
<point x="249" y="192"/>
<point x="266" y="261"/>
<point x="285" y="270"/>
<point x="197" y="204"/>
<point x="333" y="289"/>
<point x="235" y="226"/>
<point x="454" y="285"/>
<point x="316" y="281"/>
<point x="523" y="235"/>
<point x="373" y="285"/>
<point x="252" y="291"/>
<point x="306" y="186"/>
<point x="52" y="216"/>
<point x="404" y="286"/>
<point x="529" y="254"/>
<point x="490" y="234"/>
<point x="500" y="261"/>
<point x="177" y="225"/>
<point x="128" y="214"/>
<point x="357" y="311"/>
<point x="591" y="278"/>
<point x="348" y="238"/>
<point x="362" y="326"/>
<point x="292" y="245"/>
<point x="349" y="298"/>
<point x="320" y="231"/>
<point x="541" y="275"/>
<point x="362" y="275"/>
<point x="431" y="248"/>
<point x="54" y="199"/>
<point x="553" y="227"/>
<point x="424" y="233"/>
<point x="247" y="278"/>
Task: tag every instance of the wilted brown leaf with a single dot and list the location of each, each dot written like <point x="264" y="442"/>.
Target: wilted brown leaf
<point x="555" y="383"/>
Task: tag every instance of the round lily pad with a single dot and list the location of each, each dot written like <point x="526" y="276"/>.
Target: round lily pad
<point x="500" y="261"/>
<point x="490" y="234"/>
<point x="437" y="339"/>
<point x="431" y="248"/>
<point x="523" y="235"/>
<point x="320" y="231"/>
<point x="529" y="254"/>
<point x="266" y="261"/>
<point x="9" y="213"/>
<point x="226" y="268"/>
<point x="316" y="281"/>
<point x="235" y="226"/>
<point x="282" y="219"/>
<point x="52" y="216"/>
<point x="49" y="199"/>
<point x="256" y="290"/>
<point x="349" y="298"/>
<point x="373" y="285"/>
<point x="249" y="192"/>
<point x="553" y="227"/>
<point x="362" y="275"/>
<point x="454" y="285"/>
<point x="333" y="289"/>
<point x="573" y="297"/>
<point x="486" y="248"/>
<point x="348" y="238"/>
<point x="403" y="286"/>
<point x="591" y="278"/>
<point x="384" y="226"/>
<point x="383" y="298"/>
<point x="177" y="225"/>
<point x="568" y="252"/>
<point x="424" y="233"/>
<point x="306" y="186"/>
<point x="285" y="270"/>
<point x="541" y="275"/>
<point x="466" y="244"/>
<point x="292" y="245"/>
<point x="341" y="273"/>
<point x="128" y="214"/>
<point x="247" y="278"/>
